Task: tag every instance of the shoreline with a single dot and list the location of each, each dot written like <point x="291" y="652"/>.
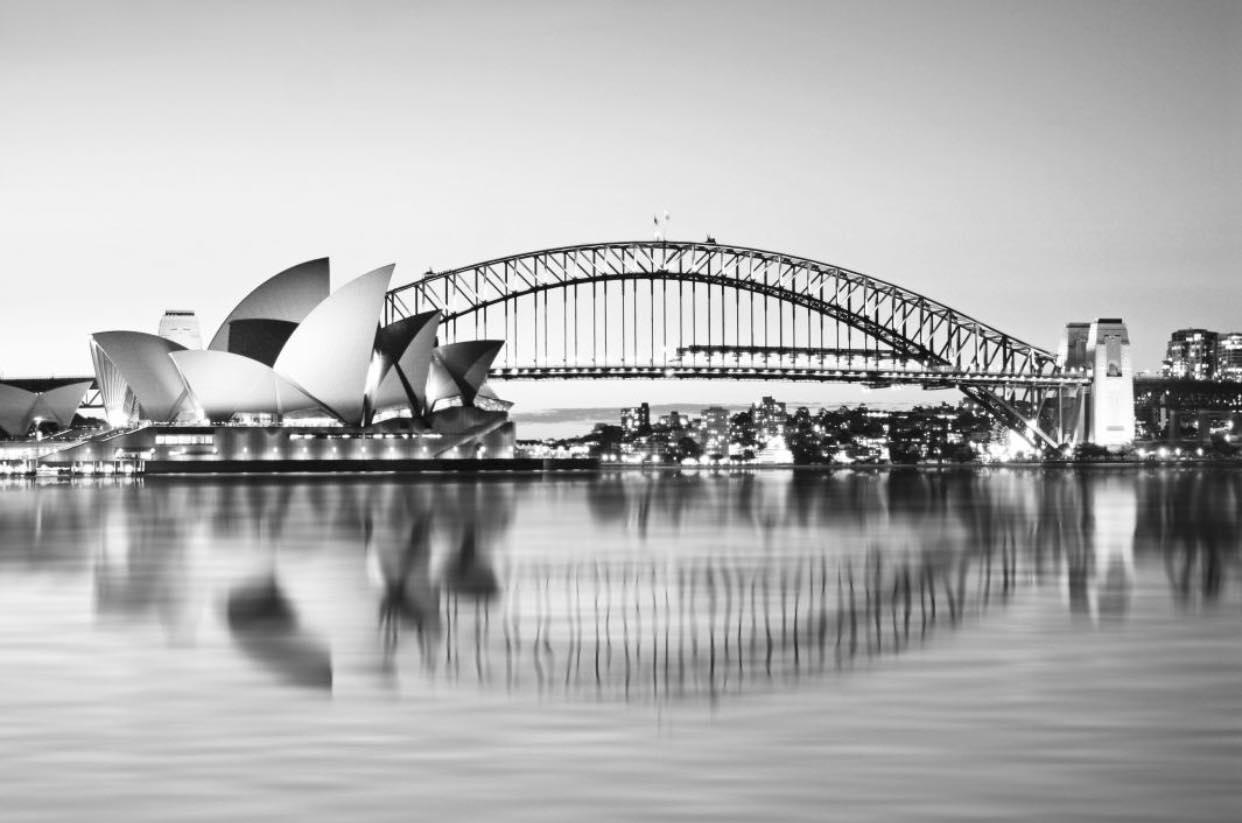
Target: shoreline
<point x="574" y="466"/>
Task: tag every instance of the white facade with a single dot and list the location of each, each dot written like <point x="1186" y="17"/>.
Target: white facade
<point x="181" y="327"/>
<point x="1112" y="384"/>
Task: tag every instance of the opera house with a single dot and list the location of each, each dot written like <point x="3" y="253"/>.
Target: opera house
<point x="23" y="408"/>
<point x="296" y="373"/>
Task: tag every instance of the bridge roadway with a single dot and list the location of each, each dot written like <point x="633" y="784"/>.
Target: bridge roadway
<point x="926" y="377"/>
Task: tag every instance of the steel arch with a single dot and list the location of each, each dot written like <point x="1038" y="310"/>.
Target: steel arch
<point x="1013" y="379"/>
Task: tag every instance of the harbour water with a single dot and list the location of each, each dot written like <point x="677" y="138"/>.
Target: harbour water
<point x="1010" y="644"/>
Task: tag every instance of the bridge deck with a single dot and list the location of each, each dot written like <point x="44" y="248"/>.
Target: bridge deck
<point x="910" y="376"/>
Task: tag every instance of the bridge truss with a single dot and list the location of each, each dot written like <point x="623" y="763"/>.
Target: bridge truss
<point x="659" y="310"/>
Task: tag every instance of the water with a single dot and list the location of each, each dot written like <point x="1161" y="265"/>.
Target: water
<point x="1015" y="644"/>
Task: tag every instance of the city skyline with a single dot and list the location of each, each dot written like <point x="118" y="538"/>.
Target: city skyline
<point x="164" y="156"/>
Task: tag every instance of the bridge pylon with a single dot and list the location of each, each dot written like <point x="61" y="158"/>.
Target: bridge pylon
<point x="1100" y="411"/>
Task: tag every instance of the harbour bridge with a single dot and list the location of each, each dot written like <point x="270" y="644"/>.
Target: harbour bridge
<point x="655" y="309"/>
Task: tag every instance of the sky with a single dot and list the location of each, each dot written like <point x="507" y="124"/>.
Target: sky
<point x="1028" y="163"/>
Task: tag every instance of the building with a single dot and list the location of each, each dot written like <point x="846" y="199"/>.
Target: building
<point x="714" y="431"/>
<point x="1174" y="410"/>
<point x="636" y="419"/>
<point x="1200" y="354"/>
<point x="181" y="327"/>
<point x="1229" y="356"/>
<point x="629" y="420"/>
<point x="1191" y="354"/>
<point x="769" y="419"/>
<point x="293" y="354"/>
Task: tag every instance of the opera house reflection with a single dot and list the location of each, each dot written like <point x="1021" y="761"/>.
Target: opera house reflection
<point x="618" y="586"/>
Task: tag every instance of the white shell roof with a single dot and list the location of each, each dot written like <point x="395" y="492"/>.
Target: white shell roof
<point x="223" y="384"/>
<point x="329" y="354"/>
<point x="459" y="369"/>
<point x="413" y="364"/>
<point x="143" y="362"/>
<point x="290" y="295"/>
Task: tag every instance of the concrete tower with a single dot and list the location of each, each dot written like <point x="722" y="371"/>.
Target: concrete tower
<point x="1112" y="383"/>
<point x="1072" y="415"/>
<point x="1072" y="355"/>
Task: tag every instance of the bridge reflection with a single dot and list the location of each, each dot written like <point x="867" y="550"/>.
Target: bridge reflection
<point x="704" y="627"/>
<point x="628" y="585"/>
<point x="903" y="557"/>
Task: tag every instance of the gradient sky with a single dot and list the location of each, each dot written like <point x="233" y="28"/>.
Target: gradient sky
<point x="1028" y="163"/>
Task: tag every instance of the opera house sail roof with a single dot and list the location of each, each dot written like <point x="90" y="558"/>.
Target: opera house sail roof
<point x="293" y="348"/>
<point x="329" y="353"/>
<point x="224" y="384"/>
<point x="261" y="323"/>
<point x="21" y="409"/>
<point x="458" y="371"/>
<point x="137" y="379"/>
<point x="402" y="362"/>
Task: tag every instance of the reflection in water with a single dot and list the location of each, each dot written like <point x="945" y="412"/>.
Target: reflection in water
<point x="948" y="642"/>
<point x="147" y="569"/>
<point x="266" y="627"/>
<point x="628" y="585"/>
<point x="410" y="597"/>
<point x="1192" y="520"/>
<point x="469" y="572"/>
<point x="706" y="627"/>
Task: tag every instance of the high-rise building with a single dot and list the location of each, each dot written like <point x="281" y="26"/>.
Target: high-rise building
<point x="769" y="419"/>
<point x="1229" y="356"/>
<point x="181" y="327"/>
<point x="636" y="419"/>
<point x="715" y="431"/>
<point x="1191" y="354"/>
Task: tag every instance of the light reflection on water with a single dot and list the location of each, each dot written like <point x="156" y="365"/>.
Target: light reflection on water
<point x="1016" y="644"/>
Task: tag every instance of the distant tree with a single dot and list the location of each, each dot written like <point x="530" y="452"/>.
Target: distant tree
<point x="46" y="428"/>
<point x="959" y="452"/>
<point x="689" y="447"/>
<point x="608" y="437"/>
<point x="83" y="422"/>
<point x="742" y="427"/>
<point x="1222" y="447"/>
<point x="805" y="450"/>
<point x="1090" y="451"/>
<point x="905" y="452"/>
